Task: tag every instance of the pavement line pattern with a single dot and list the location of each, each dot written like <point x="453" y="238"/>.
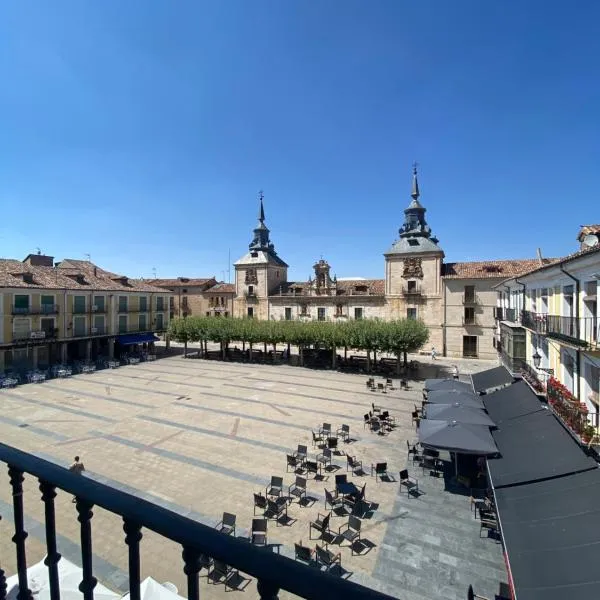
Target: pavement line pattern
<point x="234" y="429"/>
<point x="33" y="428"/>
<point x="108" y="398"/>
<point x="110" y="384"/>
<point x="56" y="406"/>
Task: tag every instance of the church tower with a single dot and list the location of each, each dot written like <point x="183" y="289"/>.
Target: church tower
<point x="258" y="273"/>
<point x="413" y="268"/>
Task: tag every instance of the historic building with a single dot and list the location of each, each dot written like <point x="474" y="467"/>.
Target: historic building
<point x="72" y="310"/>
<point x="455" y="300"/>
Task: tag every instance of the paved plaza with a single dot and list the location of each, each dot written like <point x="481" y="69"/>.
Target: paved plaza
<point x="199" y="437"/>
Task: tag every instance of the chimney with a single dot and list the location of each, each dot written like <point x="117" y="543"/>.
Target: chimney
<point x="39" y="260"/>
<point x="539" y="256"/>
<point x="95" y="271"/>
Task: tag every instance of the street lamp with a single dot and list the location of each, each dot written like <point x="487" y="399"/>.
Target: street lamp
<point x="536" y="359"/>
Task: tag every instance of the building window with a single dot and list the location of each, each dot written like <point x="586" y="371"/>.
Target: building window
<point x="21" y="304"/>
<point x="226" y="313"/>
<point x="470" y="346"/>
<point x="142" y="325"/>
<point x="47" y="304"/>
<point x="469" y="318"/>
<point x="21" y="329"/>
<point x="339" y="310"/>
<point x="288" y="313"/>
<point x="320" y="314"/>
<point x="78" y="304"/>
<point x="184" y="291"/>
<point x="250" y="312"/>
<point x="469" y="293"/>
<point x="304" y="310"/>
<point x="412" y="286"/>
<point x="411" y="313"/>
<point x="99" y="303"/>
<point x="159" y="322"/>
<point x="99" y="324"/>
<point x="79" y="327"/>
<point x="208" y="313"/>
<point x="358" y="313"/>
<point x="277" y="274"/>
<point x="250" y="290"/>
<point x="123" y="324"/>
<point x="160" y="303"/>
<point x="47" y="326"/>
<point x="143" y="303"/>
<point x="122" y="303"/>
<point x="172" y="315"/>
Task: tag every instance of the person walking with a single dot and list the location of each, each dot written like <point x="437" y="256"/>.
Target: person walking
<point x="455" y="371"/>
<point x="77" y="468"/>
<point x="433" y="353"/>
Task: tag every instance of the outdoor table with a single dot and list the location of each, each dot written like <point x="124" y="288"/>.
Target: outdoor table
<point x="151" y="357"/>
<point x="113" y="364"/>
<point x="134" y="361"/>
<point x="61" y="372"/>
<point x="346" y="489"/>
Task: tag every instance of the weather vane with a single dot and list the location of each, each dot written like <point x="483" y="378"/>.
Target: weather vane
<point x="260" y="195"/>
<point x="415" y="165"/>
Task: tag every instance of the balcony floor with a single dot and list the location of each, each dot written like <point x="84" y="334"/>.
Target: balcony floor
<point x="200" y="436"/>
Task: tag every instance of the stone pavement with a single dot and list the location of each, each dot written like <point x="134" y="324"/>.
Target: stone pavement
<point x="200" y="436"/>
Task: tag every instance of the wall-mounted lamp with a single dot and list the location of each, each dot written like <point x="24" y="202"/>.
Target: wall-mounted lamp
<point x="537" y="359"/>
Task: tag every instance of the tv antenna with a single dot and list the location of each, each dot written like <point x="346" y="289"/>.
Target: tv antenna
<point x="153" y="272"/>
<point x="89" y="257"/>
<point x="38" y="251"/>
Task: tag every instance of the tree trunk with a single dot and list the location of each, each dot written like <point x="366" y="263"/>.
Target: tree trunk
<point x="368" y="361"/>
<point x="223" y="350"/>
<point x="205" y="348"/>
<point x="289" y="351"/>
<point x="398" y="364"/>
<point x="333" y="357"/>
<point x="301" y="354"/>
<point x="375" y="358"/>
<point x="243" y="346"/>
<point x="265" y="353"/>
<point x="405" y="360"/>
<point x="250" y="351"/>
<point x="185" y="349"/>
<point x="345" y="353"/>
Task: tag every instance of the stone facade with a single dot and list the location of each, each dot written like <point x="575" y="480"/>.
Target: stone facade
<point x="455" y="300"/>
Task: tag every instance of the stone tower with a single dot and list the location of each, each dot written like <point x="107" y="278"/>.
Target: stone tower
<point x="258" y="273"/>
<point x="413" y="268"/>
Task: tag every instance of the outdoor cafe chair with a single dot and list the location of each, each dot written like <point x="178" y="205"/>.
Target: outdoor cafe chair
<point x="258" y="534"/>
<point x="343" y="478"/>
<point x="260" y="502"/>
<point x="313" y="467"/>
<point x="367" y="421"/>
<point x="381" y="388"/>
<point x="322" y="526"/>
<point x="333" y="500"/>
<point x="376" y="408"/>
<point x="389" y="419"/>
<point x="327" y="558"/>
<point x="317" y="438"/>
<point x="389" y="383"/>
<point x="276" y="509"/>
<point x="353" y="464"/>
<point x="350" y="531"/>
<point x="332" y="443"/>
<point x="380" y="470"/>
<point x="298" y="489"/>
<point x="303" y="553"/>
<point x="344" y="432"/>
<point x="416" y="418"/>
<point x="410" y="483"/>
<point x="326" y="429"/>
<point x="224" y="573"/>
<point x="227" y="524"/>
<point x="414" y="451"/>
<point x="301" y="452"/>
<point x="488" y="525"/>
<point x="294" y="462"/>
<point x="275" y="487"/>
<point x="357" y="502"/>
<point x="324" y="458"/>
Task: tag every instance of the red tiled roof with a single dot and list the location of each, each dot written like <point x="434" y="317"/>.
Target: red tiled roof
<point x="503" y="269"/>
<point x="375" y="287"/>
<point x="181" y="282"/>
<point x="568" y="258"/>
<point x="222" y="288"/>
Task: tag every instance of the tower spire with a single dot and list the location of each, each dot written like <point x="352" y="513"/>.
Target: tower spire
<point x="261" y="213"/>
<point x="415" y="183"/>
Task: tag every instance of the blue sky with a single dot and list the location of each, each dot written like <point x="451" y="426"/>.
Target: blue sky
<point x="140" y="132"/>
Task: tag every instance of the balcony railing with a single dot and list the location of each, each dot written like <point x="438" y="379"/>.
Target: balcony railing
<point x="79" y="310"/>
<point x="505" y="314"/>
<point x="44" y="309"/>
<point x="39" y="335"/>
<point x="98" y="308"/>
<point x="272" y="571"/>
<point x="99" y="330"/>
<point x="250" y="294"/>
<point x="470" y="321"/>
<point x="470" y="299"/>
<point x="584" y="331"/>
<point x="414" y="292"/>
<point x="537" y="322"/>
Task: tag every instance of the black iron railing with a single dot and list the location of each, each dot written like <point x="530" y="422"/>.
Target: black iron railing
<point x="470" y="299"/>
<point x="584" y="331"/>
<point x="43" y="309"/>
<point x="272" y="571"/>
<point x="412" y="291"/>
<point x="537" y="322"/>
<point x="510" y="314"/>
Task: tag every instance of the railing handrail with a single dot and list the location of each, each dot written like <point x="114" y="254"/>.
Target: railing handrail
<point x="264" y="566"/>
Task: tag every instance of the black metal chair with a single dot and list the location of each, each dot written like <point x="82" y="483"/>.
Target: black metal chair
<point x="317" y="438"/>
<point x="275" y="488"/>
<point x="366" y="421"/>
<point x="322" y="526"/>
<point x="350" y="531"/>
<point x="344" y="433"/>
<point x="381" y="388"/>
<point x="326" y="558"/>
<point x="376" y="409"/>
<point x="324" y="458"/>
<point x="227" y="524"/>
<point x="294" y="462"/>
<point x="258" y="534"/>
<point x="312" y="466"/>
<point x="332" y="443"/>
<point x="410" y="483"/>
<point x="343" y="478"/>
<point x="389" y="383"/>
<point x="358" y="503"/>
<point x="353" y="464"/>
<point x="298" y="489"/>
<point x="326" y="429"/>
<point x="302" y="452"/>
<point x="303" y="553"/>
<point x="224" y="573"/>
<point x="276" y="509"/>
<point x="333" y="500"/>
<point x="260" y="502"/>
<point x="380" y="470"/>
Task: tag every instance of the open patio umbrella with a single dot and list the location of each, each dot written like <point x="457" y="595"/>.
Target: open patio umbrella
<point x="447" y="384"/>
<point x="450" y="397"/>
<point x="464" y="438"/>
<point x="458" y="412"/>
<point x="150" y="589"/>
<point x="69" y="578"/>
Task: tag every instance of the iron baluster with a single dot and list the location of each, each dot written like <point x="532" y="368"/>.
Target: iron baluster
<point x="192" y="566"/>
<point x="16" y="481"/>
<point x="88" y="583"/>
<point x="267" y="590"/>
<point x="2" y="580"/>
<point x="52" y="555"/>
<point x="133" y="535"/>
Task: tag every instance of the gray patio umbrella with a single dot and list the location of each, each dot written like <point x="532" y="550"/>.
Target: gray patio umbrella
<point x="450" y="397"/>
<point x="447" y="384"/>
<point x="459" y="413"/>
<point x="462" y="438"/>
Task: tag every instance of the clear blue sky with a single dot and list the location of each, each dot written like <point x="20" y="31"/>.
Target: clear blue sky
<point x="141" y="131"/>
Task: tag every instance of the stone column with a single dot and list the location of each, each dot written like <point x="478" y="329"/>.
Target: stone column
<point x="63" y="353"/>
<point x="88" y="350"/>
<point x="34" y="359"/>
<point x="111" y="348"/>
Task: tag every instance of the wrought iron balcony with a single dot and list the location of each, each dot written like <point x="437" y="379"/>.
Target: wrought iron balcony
<point x="251" y="295"/>
<point x="98" y="308"/>
<point x="99" y="330"/>
<point x="536" y="322"/>
<point x="470" y="321"/>
<point x="579" y="332"/>
<point x="39" y="336"/>
<point x="505" y="314"/>
<point x="470" y="299"/>
<point x="79" y="310"/>
<point x="44" y="309"/>
<point x="412" y="292"/>
<point x="272" y="571"/>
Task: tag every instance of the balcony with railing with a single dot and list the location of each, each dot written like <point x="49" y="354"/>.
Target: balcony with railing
<point x="583" y="332"/>
<point x="99" y="330"/>
<point x="43" y="309"/>
<point x="199" y="543"/>
<point x="536" y="322"/>
<point x="470" y="321"/>
<point x="412" y="291"/>
<point x="505" y="314"/>
<point x="470" y="299"/>
<point x="33" y="336"/>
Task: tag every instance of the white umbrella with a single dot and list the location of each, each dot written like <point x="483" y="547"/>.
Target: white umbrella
<point x="69" y="578"/>
<point x="150" y="589"/>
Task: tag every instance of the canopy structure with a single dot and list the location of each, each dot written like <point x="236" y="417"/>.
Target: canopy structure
<point x="452" y="397"/>
<point x="490" y="379"/>
<point x="69" y="577"/>
<point x="551" y="535"/>
<point x="512" y="402"/>
<point x="535" y="447"/>
<point x="150" y="589"/>
<point x="463" y="438"/>
<point x="459" y="413"/>
<point x="447" y="384"/>
<point x="136" y="338"/>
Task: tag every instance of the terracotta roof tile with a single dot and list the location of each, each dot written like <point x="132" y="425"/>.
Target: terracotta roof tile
<point x="492" y="268"/>
<point x="375" y="287"/>
<point x="566" y="259"/>
<point x="181" y="282"/>
<point x="222" y="288"/>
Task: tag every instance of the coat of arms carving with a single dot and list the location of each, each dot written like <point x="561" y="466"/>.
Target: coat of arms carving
<point x="412" y="268"/>
<point x="251" y="276"/>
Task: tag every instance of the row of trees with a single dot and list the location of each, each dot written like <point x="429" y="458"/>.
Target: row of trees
<point x="397" y="337"/>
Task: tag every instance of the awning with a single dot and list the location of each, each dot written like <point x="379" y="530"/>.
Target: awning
<point x="533" y="448"/>
<point x="512" y="402"/>
<point x="468" y="400"/>
<point x="462" y="438"/>
<point x="551" y="537"/>
<point x="447" y="384"/>
<point x="459" y="413"/>
<point x="136" y="338"/>
<point x="492" y="378"/>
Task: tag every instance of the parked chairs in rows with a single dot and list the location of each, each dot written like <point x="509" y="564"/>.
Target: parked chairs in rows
<point x="275" y="488"/>
<point x="227" y="524"/>
<point x="380" y="470"/>
<point x="352" y="463"/>
<point x="298" y="490"/>
<point x="410" y="483"/>
<point x="258" y="533"/>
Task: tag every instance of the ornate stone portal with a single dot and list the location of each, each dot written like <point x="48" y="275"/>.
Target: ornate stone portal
<point x="412" y="268"/>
